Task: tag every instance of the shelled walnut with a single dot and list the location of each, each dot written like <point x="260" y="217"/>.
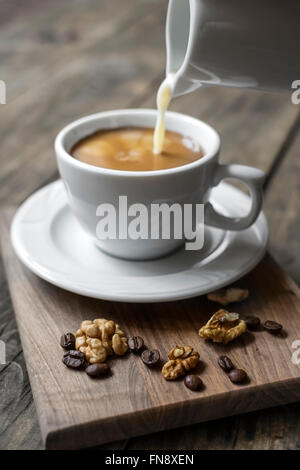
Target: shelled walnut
<point x="181" y="360"/>
<point x="228" y="296"/>
<point x="100" y="338"/>
<point x="223" y="327"/>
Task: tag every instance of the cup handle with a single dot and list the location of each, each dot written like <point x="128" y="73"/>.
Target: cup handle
<point x="254" y="179"/>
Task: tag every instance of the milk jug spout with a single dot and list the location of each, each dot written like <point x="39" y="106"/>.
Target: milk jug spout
<point x="243" y="44"/>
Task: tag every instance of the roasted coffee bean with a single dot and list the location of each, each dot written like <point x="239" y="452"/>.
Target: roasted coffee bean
<point x="74" y="359"/>
<point x="272" y="327"/>
<point x="237" y="376"/>
<point x="67" y="341"/>
<point x="150" y="357"/>
<point x="225" y="363"/>
<point x="97" y="370"/>
<point x="135" y="344"/>
<point x="193" y="382"/>
<point x="252" y="322"/>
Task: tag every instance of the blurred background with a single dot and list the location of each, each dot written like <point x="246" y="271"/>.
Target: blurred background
<point x="63" y="59"/>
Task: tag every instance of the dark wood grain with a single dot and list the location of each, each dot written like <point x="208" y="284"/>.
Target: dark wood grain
<point x="54" y="77"/>
<point x="18" y="416"/>
<point x="75" y="411"/>
<point x="282" y="209"/>
<point x="270" y="429"/>
<point x="43" y="95"/>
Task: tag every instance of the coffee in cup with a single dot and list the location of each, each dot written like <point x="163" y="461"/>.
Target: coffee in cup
<point x="90" y="187"/>
<point x="131" y="149"/>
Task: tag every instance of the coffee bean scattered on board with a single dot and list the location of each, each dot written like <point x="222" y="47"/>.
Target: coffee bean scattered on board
<point x="193" y="382"/>
<point x="272" y="327"/>
<point x="67" y="341"/>
<point x="225" y="363"/>
<point x="97" y="370"/>
<point x="150" y="357"/>
<point x="252" y="322"/>
<point x="135" y="344"/>
<point x="74" y="359"/>
<point x="237" y="376"/>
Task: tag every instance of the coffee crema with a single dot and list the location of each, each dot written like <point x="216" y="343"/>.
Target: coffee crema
<point x="131" y="149"/>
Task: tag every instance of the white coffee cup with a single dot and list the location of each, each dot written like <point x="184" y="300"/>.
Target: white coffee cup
<point x="89" y="186"/>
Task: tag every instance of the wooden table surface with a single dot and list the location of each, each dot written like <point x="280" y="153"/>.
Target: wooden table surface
<point x="62" y="59"/>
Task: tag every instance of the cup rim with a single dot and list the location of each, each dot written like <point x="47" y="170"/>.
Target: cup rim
<point x="62" y="153"/>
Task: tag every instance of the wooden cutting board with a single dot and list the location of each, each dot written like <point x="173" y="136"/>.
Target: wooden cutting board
<point x="75" y="411"/>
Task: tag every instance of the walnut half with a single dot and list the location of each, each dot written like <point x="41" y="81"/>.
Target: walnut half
<point x="181" y="360"/>
<point x="100" y="338"/>
<point x="223" y="327"/>
<point x="228" y="296"/>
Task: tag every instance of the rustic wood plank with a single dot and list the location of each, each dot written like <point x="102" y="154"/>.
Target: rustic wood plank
<point x="52" y="37"/>
<point x="12" y="9"/>
<point x="282" y="209"/>
<point x="267" y="429"/>
<point x="273" y="429"/>
<point x="98" y="68"/>
<point x="144" y="401"/>
<point x="58" y="34"/>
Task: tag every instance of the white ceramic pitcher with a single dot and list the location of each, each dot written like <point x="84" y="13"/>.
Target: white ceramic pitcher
<point x="237" y="43"/>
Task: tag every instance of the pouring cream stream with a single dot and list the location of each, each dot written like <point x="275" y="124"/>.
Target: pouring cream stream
<point x="163" y="98"/>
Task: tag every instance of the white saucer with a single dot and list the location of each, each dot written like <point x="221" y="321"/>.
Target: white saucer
<point x="49" y="241"/>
